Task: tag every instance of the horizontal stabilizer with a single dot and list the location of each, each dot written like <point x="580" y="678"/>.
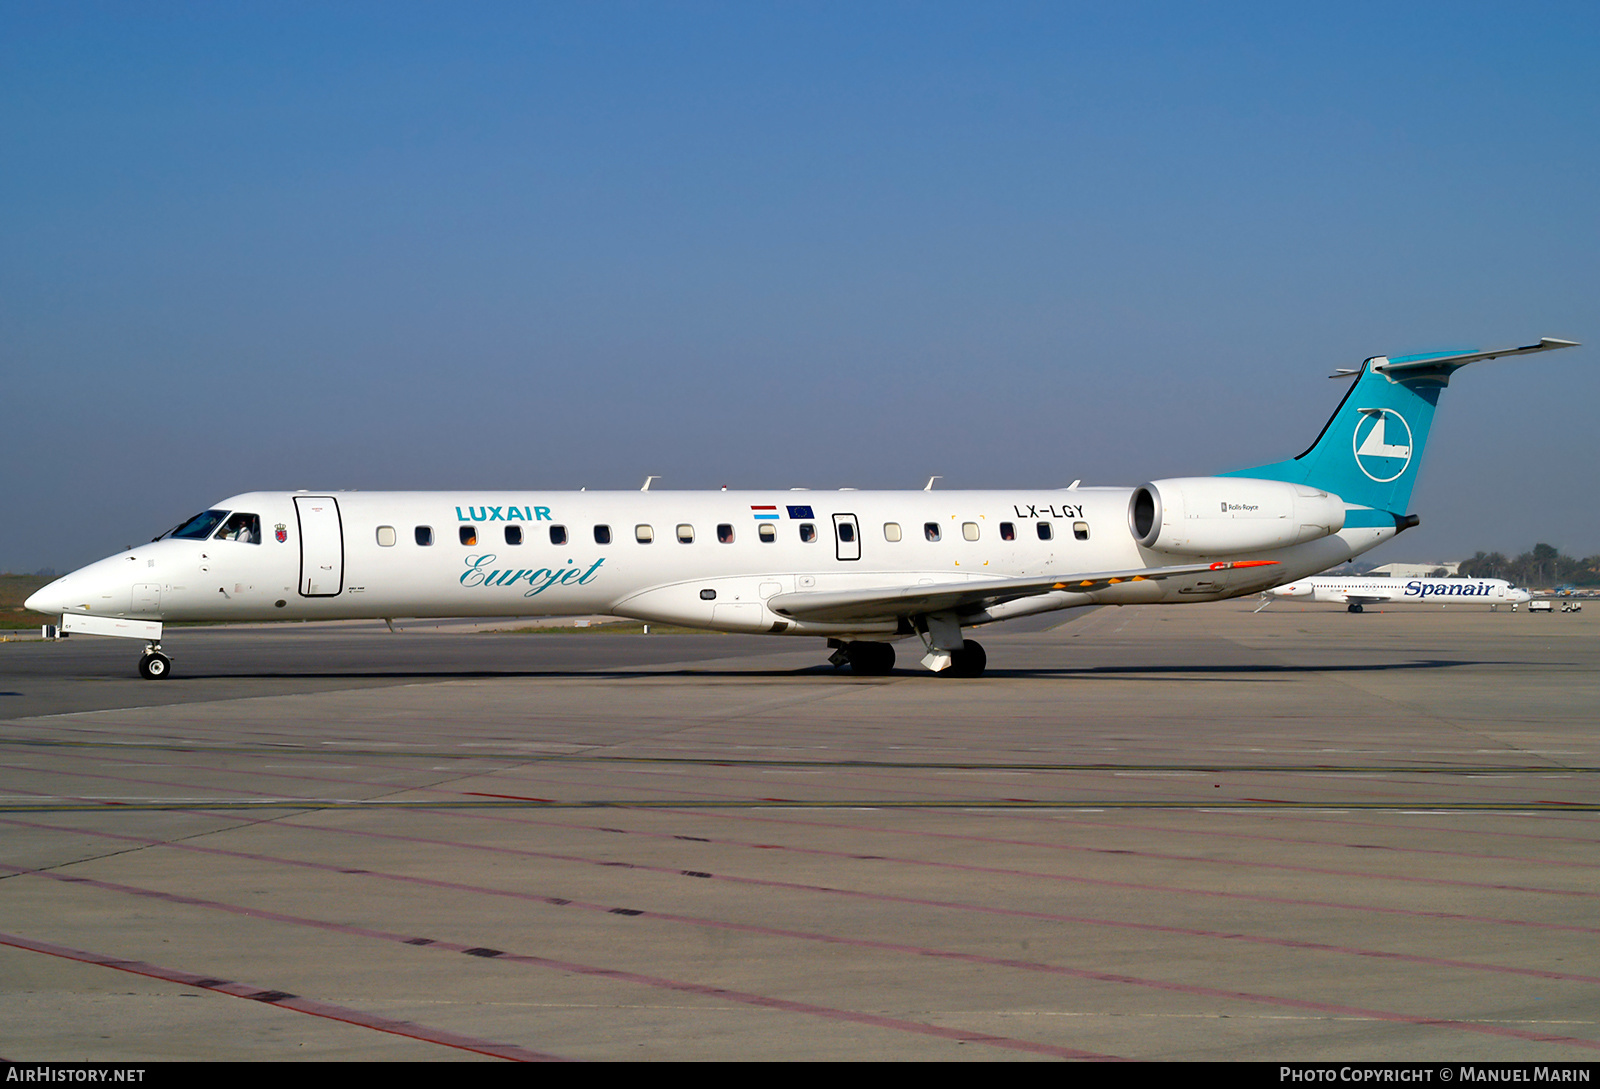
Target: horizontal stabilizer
<point x="1414" y="365"/>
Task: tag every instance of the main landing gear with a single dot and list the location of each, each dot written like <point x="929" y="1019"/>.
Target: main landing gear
<point x="155" y="666"/>
<point x="866" y="658"/>
<point x="869" y="659"/>
<point x="1354" y="607"/>
<point x="969" y="661"/>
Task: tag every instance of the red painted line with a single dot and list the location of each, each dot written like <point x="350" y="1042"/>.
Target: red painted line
<point x="1487" y="833"/>
<point x="789" y="1006"/>
<point x="681" y="986"/>
<point x="1190" y="859"/>
<point x="283" y="1000"/>
<point x="1213" y="835"/>
<point x="794" y="886"/>
<point x="1286" y="943"/>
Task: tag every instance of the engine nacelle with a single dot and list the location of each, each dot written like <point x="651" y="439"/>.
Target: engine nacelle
<point x="1206" y="515"/>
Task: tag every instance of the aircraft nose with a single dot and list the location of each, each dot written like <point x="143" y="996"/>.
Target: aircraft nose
<point x="101" y="587"/>
<point x="48" y="599"/>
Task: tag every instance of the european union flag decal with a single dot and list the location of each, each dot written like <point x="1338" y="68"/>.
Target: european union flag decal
<point x="801" y="512"/>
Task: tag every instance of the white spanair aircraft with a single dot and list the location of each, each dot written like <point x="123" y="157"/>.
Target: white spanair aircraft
<point x="1355" y="591"/>
<point x="859" y="569"/>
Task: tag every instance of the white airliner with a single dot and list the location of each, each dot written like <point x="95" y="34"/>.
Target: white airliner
<point x="1356" y="592"/>
<point x="859" y="569"/>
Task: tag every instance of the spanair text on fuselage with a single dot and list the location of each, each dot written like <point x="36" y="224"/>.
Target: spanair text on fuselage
<point x="862" y="569"/>
<point x="1365" y="590"/>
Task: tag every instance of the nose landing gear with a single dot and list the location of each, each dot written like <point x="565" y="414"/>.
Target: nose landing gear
<point x="154" y="666"/>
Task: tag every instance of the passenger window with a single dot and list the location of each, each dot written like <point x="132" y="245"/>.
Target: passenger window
<point x="602" y="534"/>
<point x="1008" y="531"/>
<point x="424" y="535"/>
<point x="469" y="535"/>
<point x="930" y="530"/>
<point x="891" y="531"/>
<point x="386" y="536"/>
<point x="685" y="533"/>
<point x="767" y="532"/>
<point x="513" y="535"/>
<point x="808" y="532"/>
<point x="643" y="534"/>
<point x="244" y="528"/>
<point x="847" y="532"/>
<point x="558" y="535"/>
<point x="1045" y="532"/>
<point x="725" y="533"/>
<point x="1080" y="530"/>
<point x="969" y="530"/>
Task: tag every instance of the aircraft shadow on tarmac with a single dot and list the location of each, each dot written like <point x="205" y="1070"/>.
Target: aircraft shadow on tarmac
<point x="1154" y="671"/>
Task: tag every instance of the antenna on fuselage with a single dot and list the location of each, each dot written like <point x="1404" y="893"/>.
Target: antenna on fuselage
<point x="647" y="482"/>
<point x="929" y="486"/>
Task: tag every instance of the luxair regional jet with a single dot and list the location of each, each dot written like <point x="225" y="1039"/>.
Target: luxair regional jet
<point x="1355" y="592"/>
<point x="862" y="570"/>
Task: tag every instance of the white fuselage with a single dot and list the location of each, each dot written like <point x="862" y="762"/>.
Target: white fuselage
<point x="702" y="559"/>
<point x="1439" y="591"/>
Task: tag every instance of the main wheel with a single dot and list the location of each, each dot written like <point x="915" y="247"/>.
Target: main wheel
<point x="969" y="661"/>
<point x="1355" y="608"/>
<point x="155" y="666"/>
<point x="870" y="659"/>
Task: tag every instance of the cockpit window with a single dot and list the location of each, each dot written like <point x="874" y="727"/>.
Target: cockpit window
<point x="200" y="526"/>
<point x="244" y="528"/>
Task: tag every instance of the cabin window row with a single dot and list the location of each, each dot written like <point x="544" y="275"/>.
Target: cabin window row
<point x="765" y="531"/>
<point x="644" y="534"/>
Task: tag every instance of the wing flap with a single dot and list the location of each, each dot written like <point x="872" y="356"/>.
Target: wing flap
<point x="892" y="602"/>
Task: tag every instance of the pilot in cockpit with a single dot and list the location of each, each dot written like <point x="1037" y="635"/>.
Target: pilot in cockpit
<point x="245" y="528"/>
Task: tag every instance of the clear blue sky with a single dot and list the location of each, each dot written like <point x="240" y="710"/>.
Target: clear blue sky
<point x="479" y="245"/>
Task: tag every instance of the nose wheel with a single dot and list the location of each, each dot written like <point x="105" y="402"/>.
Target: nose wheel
<point x="155" y="666"/>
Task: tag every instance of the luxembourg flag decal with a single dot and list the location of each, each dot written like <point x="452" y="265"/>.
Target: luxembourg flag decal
<point x="764" y="514"/>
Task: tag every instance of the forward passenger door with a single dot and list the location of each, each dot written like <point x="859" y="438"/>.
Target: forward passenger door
<point x="321" y="545"/>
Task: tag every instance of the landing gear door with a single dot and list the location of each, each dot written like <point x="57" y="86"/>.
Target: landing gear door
<point x="846" y="537"/>
<point x="321" y="545"/>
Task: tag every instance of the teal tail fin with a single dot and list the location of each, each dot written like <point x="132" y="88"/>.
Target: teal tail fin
<point x="1369" y="451"/>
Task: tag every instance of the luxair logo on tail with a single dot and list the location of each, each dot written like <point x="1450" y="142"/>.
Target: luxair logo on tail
<point x="1382" y="444"/>
<point x="1385" y="418"/>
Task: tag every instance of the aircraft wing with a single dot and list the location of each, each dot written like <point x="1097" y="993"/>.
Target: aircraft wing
<point x="891" y="602"/>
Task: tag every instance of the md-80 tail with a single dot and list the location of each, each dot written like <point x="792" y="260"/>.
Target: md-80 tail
<point x="862" y="570"/>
